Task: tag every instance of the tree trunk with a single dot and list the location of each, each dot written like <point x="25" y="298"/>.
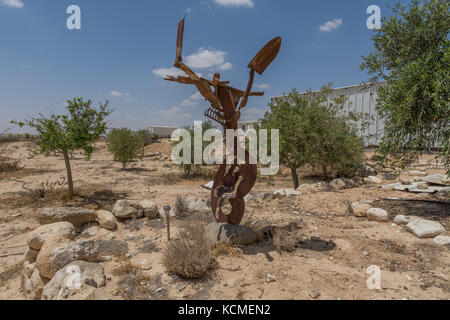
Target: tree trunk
<point x="295" y="178"/>
<point x="69" y="172"/>
<point x="324" y="172"/>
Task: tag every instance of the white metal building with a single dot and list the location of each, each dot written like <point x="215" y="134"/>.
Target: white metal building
<point x="248" y="125"/>
<point x="162" y="132"/>
<point x="361" y="99"/>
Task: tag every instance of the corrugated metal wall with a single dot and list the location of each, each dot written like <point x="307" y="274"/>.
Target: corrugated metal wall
<point x="162" y="132"/>
<point x="361" y="99"/>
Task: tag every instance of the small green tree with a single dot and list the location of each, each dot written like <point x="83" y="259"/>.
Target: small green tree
<point x="125" y="145"/>
<point x="285" y="116"/>
<point x="412" y="54"/>
<point x="64" y="134"/>
<point x="315" y="130"/>
<point x="147" y="137"/>
<point x="193" y="170"/>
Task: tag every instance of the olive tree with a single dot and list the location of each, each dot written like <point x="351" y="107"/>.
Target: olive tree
<point x="315" y="130"/>
<point x="412" y="54"/>
<point x="64" y="134"/>
<point x="126" y="145"/>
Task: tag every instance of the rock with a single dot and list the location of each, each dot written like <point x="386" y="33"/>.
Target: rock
<point x="150" y="209"/>
<point x="404" y="220"/>
<point x="422" y="186"/>
<point x="39" y="235"/>
<point x="377" y="214"/>
<point x="372" y="180"/>
<point x="162" y="213"/>
<point x="57" y="252"/>
<point x="265" y="195"/>
<point x="337" y="184"/>
<point x="270" y="278"/>
<point x="90" y="230"/>
<point x="28" y="268"/>
<point x="370" y="170"/>
<point x="286" y="193"/>
<point x="349" y="183"/>
<point x="360" y="210"/>
<point x="358" y="181"/>
<point x="389" y="176"/>
<point x="314" y="294"/>
<point x="228" y="233"/>
<point x="106" y="219"/>
<point x="75" y="279"/>
<point x="406" y="181"/>
<point x="248" y="198"/>
<point x="320" y="187"/>
<point x="209" y="185"/>
<point x="417" y="173"/>
<point x="197" y="205"/>
<point x="76" y="216"/>
<point x="31" y="255"/>
<point x="305" y="188"/>
<point x="388" y="170"/>
<point x="88" y="293"/>
<point x="442" y="240"/>
<point x="34" y="286"/>
<point x="442" y="194"/>
<point x="85" y="250"/>
<point x="124" y="209"/>
<point x="425" y="228"/>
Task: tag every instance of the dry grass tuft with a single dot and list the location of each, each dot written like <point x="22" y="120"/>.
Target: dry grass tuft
<point x="7" y="164"/>
<point x="10" y="273"/>
<point x="189" y="257"/>
<point x="227" y="249"/>
<point x="181" y="207"/>
<point x="284" y="240"/>
<point x="133" y="284"/>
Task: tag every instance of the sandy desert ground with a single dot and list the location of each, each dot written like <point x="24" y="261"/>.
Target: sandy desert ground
<point x="332" y="268"/>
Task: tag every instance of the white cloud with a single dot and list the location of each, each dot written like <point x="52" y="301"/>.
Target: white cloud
<point x="188" y="10"/>
<point x="331" y="25"/>
<point x="13" y="3"/>
<point x="235" y="3"/>
<point x="164" y="72"/>
<point x="119" y="94"/>
<point x="226" y="66"/>
<point x="189" y="103"/>
<point x="262" y="86"/>
<point x="196" y="96"/>
<point x="204" y="59"/>
<point x="210" y="59"/>
<point x="193" y="100"/>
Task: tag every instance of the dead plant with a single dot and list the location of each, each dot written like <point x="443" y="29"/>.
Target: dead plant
<point x="189" y="257"/>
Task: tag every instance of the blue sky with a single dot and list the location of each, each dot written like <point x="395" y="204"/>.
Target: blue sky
<point x="124" y="47"/>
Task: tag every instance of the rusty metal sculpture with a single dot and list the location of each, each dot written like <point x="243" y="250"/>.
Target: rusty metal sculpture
<point x="231" y="183"/>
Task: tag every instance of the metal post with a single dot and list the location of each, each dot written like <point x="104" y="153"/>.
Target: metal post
<point x="167" y="211"/>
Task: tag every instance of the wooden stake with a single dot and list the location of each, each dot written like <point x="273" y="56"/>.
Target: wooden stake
<point x="167" y="210"/>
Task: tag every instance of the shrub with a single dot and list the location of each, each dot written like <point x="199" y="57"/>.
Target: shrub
<point x="189" y="257"/>
<point x="193" y="171"/>
<point x="7" y="164"/>
<point x="284" y="240"/>
<point x="147" y="137"/>
<point x="125" y="145"/>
